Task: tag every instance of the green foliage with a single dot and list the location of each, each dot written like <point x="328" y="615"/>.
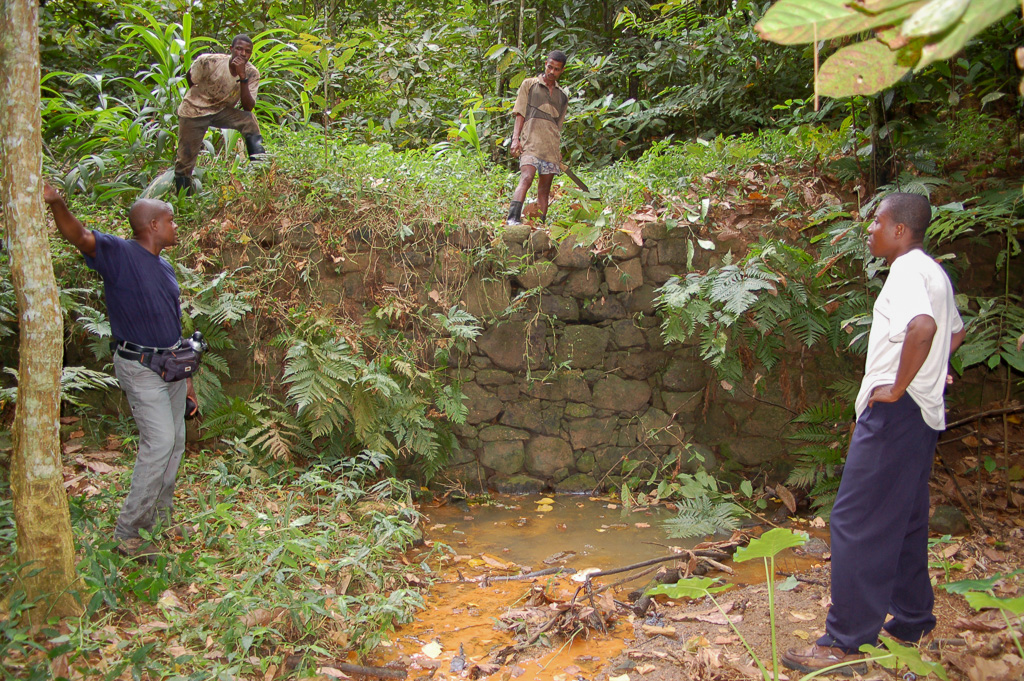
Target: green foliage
<point x="980" y="595"/>
<point x="770" y="544"/>
<point x="303" y="559"/>
<point x="921" y="34"/>
<point x="74" y="380"/>
<point x="691" y="587"/>
<point x="826" y="437"/>
<point x="896" y="656"/>
<point x="709" y="73"/>
<point x="112" y="131"/>
<point x="700" y="516"/>
<point x="339" y="404"/>
<point x="750" y="307"/>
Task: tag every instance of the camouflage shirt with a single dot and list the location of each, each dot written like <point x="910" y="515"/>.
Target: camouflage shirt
<point x="215" y="89"/>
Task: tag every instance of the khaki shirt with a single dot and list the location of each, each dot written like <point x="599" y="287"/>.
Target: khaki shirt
<point x="544" y="111"/>
<point x="215" y="89"/>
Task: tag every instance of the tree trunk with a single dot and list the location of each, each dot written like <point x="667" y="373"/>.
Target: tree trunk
<point x="882" y="164"/>
<point x="44" y="539"/>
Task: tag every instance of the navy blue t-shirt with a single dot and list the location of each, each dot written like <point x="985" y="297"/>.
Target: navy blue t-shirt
<point x="141" y="291"/>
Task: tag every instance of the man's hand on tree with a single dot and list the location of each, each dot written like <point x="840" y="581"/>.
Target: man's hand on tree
<point x="50" y="195"/>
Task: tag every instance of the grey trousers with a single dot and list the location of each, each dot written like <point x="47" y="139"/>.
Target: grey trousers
<point x="192" y="130"/>
<point x="159" y="411"/>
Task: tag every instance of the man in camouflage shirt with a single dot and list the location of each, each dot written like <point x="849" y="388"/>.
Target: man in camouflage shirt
<point x="537" y="135"/>
<point x="217" y="83"/>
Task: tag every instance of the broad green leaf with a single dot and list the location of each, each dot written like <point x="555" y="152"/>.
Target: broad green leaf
<point x="980" y="601"/>
<point x="980" y="14"/>
<point x="692" y="587"/>
<point x="935" y="17"/>
<point x="789" y="584"/>
<point x="495" y="49"/>
<point x="861" y="69"/>
<point x="792" y="22"/>
<point x="340" y="62"/>
<point x="770" y="543"/>
<point x="747" y="488"/>
<point x="505" y="62"/>
<point x="876" y="6"/>
<point x="898" y="656"/>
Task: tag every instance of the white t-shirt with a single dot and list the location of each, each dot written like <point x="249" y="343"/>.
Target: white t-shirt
<point x="916" y="285"/>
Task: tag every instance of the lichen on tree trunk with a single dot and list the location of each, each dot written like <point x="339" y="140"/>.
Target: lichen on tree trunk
<point x="45" y="543"/>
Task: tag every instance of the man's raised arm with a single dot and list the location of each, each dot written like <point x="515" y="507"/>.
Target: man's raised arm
<point x="70" y="227"/>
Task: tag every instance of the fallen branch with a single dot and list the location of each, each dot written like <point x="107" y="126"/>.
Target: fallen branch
<point x="376" y="672"/>
<point x="627" y="579"/>
<point x="1013" y="409"/>
<point x="719" y="566"/>
<point x="530" y="641"/>
<point x="530" y="575"/>
<point x="805" y="580"/>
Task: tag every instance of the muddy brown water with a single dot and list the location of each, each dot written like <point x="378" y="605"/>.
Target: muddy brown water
<point x="518" y="534"/>
<point x="577" y="532"/>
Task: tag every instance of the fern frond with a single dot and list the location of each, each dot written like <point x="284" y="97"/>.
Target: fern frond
<point x="75" y="380"/>
<point x="700" y="516"/>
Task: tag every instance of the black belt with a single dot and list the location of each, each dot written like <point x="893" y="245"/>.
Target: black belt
<point x="135" y="352"/>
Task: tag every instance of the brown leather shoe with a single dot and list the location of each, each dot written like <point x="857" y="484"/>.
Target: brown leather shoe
<point x="177" y="531"/>
<point x="818" y="657"/>
<point x="137" y="549"/>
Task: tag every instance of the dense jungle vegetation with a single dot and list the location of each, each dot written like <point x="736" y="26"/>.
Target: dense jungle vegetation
<point x="391" y="121"/>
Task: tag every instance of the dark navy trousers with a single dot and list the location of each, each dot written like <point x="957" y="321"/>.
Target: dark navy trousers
<point x="879" y="530"/>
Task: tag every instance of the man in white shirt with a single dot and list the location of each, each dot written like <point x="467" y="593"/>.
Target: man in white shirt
<point x="879" y="524"/>
<point x="217" y="83"/>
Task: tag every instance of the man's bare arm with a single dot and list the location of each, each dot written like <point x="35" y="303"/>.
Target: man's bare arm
<point x="70" y="227"/>
<point x="916" y="346"/>
<point x="517" y="147"/>
<point x="956" y="340"/>
<point x="247" y="100"/>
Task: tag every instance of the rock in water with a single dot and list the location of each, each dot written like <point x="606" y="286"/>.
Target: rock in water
<point x="162" y="184"/>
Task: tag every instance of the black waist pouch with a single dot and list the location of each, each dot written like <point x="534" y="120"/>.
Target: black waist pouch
<point x="174" y="365"/>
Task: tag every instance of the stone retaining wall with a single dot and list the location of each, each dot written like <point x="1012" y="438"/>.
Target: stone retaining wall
<point x="579" y="379"/>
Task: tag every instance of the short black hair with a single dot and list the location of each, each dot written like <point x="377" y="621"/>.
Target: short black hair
<point x="913" y="210"/>
<point x="241" y="38"/>
<point x="559" y="56"/>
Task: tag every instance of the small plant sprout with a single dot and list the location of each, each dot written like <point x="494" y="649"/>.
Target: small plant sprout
<point x="766" y="547"/>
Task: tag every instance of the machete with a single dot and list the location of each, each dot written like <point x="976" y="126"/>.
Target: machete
<point x="572" y="176"/>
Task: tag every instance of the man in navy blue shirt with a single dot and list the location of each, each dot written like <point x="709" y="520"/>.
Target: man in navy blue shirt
<point x="142" y="294"/>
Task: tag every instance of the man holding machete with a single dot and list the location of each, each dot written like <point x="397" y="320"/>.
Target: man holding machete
<point x="537" y="135"/>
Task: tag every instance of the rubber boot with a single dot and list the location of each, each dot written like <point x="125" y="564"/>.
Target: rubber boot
<point x="254" y="145"/>
<point x="515" y="213"/>
<point x="183" y="182"/>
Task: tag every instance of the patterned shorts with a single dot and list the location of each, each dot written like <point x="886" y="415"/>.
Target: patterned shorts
<point x="543" y="167"/>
